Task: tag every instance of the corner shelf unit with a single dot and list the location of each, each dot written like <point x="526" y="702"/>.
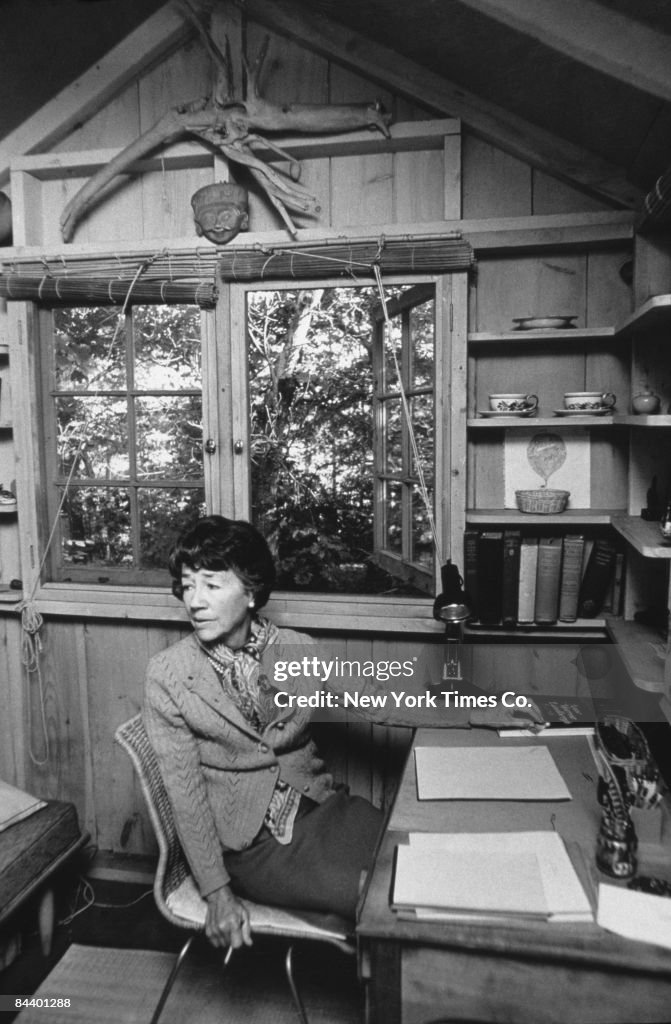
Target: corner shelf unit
<point x="628" y="350"/>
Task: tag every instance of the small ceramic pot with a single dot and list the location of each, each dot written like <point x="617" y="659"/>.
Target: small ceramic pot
<point x="645" y="402"/>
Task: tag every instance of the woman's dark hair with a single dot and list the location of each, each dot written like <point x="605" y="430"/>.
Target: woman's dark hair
<point x="217" y="544"/>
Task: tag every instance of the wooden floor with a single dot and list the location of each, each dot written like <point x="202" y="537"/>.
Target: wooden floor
<point x="141" y="927"/>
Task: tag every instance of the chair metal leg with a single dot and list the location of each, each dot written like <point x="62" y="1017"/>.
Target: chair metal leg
<point x="171" y="979"/>
<point x="298" y="1002"/>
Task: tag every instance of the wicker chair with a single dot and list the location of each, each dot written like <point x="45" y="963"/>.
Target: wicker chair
<point x="175" y="891"/>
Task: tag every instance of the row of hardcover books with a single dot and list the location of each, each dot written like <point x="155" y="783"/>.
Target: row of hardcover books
<point x="513" y="579"/>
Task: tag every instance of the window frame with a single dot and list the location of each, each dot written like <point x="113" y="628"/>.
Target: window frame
<point x="227" y="477"/>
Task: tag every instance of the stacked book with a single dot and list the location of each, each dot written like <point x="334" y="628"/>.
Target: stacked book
<point x="513" y="579"/>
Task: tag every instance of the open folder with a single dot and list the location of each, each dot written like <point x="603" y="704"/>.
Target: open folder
<point x="488" y="773"/>
<point x="491" y="875"/>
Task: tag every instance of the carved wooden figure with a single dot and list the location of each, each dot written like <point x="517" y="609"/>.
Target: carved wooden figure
<point x="231" y="124"/>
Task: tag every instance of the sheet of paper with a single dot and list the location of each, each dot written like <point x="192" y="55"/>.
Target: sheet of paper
<point x="552" y="731"/>
<point x="469" y="880"/>
<point x="15" y="805"/>
<point x="488" y="773"/>
<point x="564" y="894"/>
<point x="635" y="915"/>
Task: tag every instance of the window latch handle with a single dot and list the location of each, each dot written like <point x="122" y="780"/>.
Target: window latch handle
<point x="210" y="446"/>
<point x="238" y="447"/>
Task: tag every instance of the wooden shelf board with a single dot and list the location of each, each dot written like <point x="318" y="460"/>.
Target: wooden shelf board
<point x="631" y="420"/>
<point x="644" y="536"/>
<point x="581" y="627"/>
<point x="516" y="423"/>
<point x="656" y="312"/>
<point x="8" y="510"/>
<point x="575" y="334"/>
<point x="639" y="647"/>
<point x="569" y="518"/>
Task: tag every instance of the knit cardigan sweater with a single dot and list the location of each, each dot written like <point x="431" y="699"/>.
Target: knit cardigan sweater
<point x="219" y="771"/>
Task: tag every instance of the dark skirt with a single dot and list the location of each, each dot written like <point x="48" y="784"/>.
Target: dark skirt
<point x="321" y="868"/>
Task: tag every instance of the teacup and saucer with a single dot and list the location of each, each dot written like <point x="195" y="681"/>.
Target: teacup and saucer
<point x="510" y="404"/>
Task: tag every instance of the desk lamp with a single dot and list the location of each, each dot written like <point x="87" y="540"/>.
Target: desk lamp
<point x="451" y="607"/>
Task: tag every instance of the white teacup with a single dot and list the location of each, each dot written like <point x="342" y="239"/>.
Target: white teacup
<point x="512" y="403"/>
<point x="589" y="400"/>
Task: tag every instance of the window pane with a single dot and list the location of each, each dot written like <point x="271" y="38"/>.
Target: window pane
<point x="102" y="423"/>
<point x="95" y="527"/>
<point x="311" y="385"/>
<point x="167" y="347"/>
<point x="169" y="437"/>
<point x="422" y="332"/>
<point x="164" y="514"/>
<point x="90" y="349"/>
<point x="393" y="462"/>
<point x="422" y="537"/>
<point x="392" y="346"/>
<point x="423" y="427"/>
<point x="393" y="527"/>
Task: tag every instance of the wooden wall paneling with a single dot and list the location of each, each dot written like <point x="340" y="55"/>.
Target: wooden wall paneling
<point x="420" y="192"/>
<point x="549" y="195"/>
<point x="57" y="736"/>
<point x="533" y="368"/>
<point x="495" y="184"/>
<point x="166" y="208"/>
<point x="486" y="478"/>
<point x="361" y="186"/>
<point x="610" y="299"/>
<point x="608" y="466"/>
<point x="650" y="365"/>
<point x="115" y="679"/>
<point x="528" y="668"/>
<point x="357" y="732"/>
<point x="292" y="74"/>
<point x="13" y="696"/>
<point x="27" y="209"/>
<point x="117" y="124"/>
<point x="530" y="286"/>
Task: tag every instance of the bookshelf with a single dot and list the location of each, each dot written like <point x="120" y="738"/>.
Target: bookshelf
<point x="622" y="339"/>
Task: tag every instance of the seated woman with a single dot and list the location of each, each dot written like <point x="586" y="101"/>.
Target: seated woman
<point x="257" y="813"/>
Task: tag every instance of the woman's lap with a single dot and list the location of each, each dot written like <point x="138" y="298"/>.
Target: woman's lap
<point x="321" y="868"/>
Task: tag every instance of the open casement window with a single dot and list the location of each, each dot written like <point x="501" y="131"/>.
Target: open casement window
<point x="321" y="459"/>
<point x="404" y="429"/>
<point x="122" y="429"/>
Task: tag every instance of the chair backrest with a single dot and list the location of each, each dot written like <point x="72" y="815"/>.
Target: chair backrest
<point x="172" y="868"/>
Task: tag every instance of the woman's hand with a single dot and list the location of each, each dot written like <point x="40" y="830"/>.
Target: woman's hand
<point x="500" y="717"/>
<point x="227" y="921"/>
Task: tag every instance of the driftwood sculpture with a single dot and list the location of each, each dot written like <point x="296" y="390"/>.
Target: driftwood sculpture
<point x="231" y="125"/>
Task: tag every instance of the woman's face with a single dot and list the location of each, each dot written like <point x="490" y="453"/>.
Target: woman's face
<point x="218" y="604"/>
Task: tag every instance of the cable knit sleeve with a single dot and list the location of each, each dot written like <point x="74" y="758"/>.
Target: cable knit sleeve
<point x="177" y="752"/>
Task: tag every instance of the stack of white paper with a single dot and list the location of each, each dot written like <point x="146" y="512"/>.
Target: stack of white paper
<point x="488" y="773"/>
<point x="514" y="874"/>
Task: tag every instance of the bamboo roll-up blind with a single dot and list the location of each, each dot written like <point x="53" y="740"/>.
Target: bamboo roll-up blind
<point x="349" y="259"/>
<point x="98" y="291"/>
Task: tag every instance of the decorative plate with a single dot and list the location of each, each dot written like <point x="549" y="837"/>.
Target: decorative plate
<point x="543" y="323"/>
<point x="584" y="412"/>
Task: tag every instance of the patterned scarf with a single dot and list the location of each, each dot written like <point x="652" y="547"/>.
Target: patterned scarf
<point x="239" y="673"/>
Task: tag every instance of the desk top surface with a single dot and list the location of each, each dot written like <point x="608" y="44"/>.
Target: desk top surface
<point x="576" y="820"/>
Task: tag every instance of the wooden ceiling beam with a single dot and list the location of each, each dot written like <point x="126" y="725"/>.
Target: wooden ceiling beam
<point x="154" y="38"/>
<point x="590" y="33"/>
<point x="521" y="138"/>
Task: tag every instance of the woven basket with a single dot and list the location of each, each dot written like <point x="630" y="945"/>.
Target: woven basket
<point x="542" y="502"/>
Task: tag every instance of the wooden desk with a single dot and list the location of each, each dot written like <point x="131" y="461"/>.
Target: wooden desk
<point x="530" y="973"/>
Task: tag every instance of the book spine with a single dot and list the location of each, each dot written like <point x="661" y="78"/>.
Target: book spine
<point x="618" y="584"/>
<point x="490" y="576"/>
<point x="597" y="577"/>
<point x="526" y="600"/>
<point x="471" y="539"/>
<point x="548" y="578"/>
<point x="571" y="575"/>
<point x="511" y="573"/>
